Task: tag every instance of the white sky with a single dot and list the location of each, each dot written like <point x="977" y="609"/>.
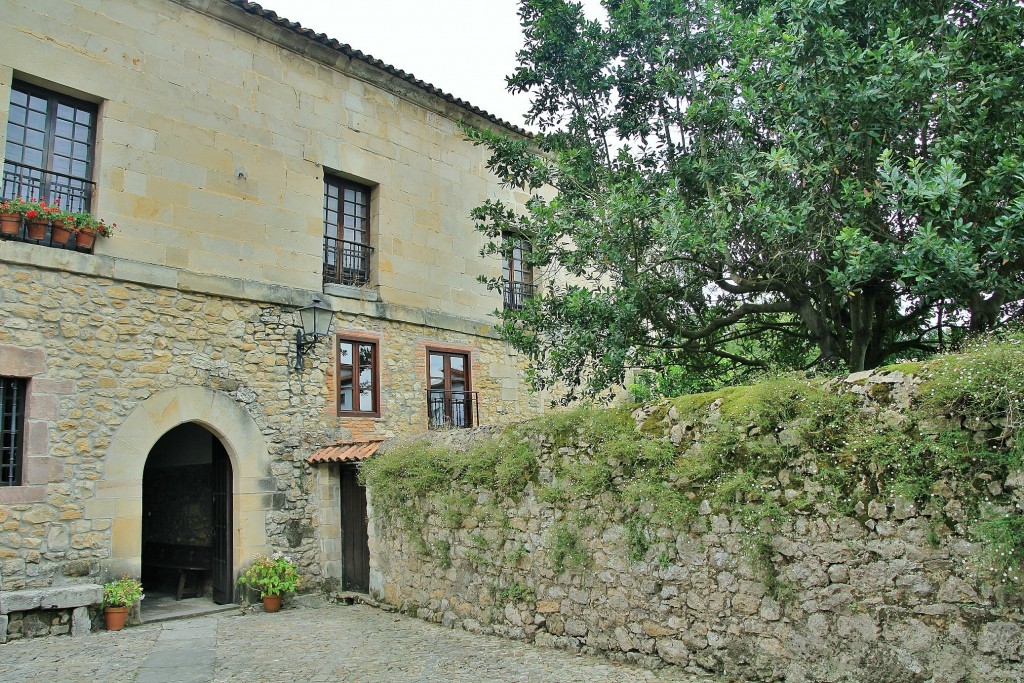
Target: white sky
<point x="464" y="47"/>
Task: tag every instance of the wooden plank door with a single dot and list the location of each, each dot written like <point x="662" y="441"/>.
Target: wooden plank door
<point x="223" y="579"/>
<point x="355" y="544"/>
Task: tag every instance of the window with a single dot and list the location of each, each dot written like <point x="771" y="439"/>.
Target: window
<point x="358" y="384"/>
<point x="49" y="155"/>
<point x="516" y="274"/>
<point x="347" y="248"/>
<point x="12" y="429"/>
<point x="450" y="403"/>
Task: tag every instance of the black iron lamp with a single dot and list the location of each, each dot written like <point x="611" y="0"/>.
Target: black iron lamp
<point x="316" y="320"/>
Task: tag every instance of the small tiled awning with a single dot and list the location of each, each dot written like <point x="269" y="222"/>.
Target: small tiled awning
<point x="346" y="451"/>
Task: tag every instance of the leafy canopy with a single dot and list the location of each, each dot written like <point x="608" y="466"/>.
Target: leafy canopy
<point x="751" y="184"/>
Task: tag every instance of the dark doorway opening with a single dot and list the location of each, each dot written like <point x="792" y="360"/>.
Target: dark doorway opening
<point x="355" y="546"/>
<point x="186" y="516"/>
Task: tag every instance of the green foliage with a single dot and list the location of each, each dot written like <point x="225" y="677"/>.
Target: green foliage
<point x="443" y="552"/>
<point x="272" y="575"/>
<point x="1003" y="536"/>
<point x="743" y="187"/>
<point x="516" y="555"/>
<point x="764" y="452"/>
<point x="516" y="592"/>
<point x="568" y="550"/>
<point x="638" y="536"/>
<point x="123" y="592"/>
<point x="455" y="507"/>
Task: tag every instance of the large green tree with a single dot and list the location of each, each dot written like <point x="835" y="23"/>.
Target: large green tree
<point x="741" y="184"/>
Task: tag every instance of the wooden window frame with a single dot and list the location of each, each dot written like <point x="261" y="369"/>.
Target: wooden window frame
<point x="13" y="409"/>
<point x="516" y="275"/>
<point x="467" y="353"/>
<point x="54" y="100"/>
<point x="356" y="338"/>
<point x="453" y="351"/>
<point x="336" y="246"/>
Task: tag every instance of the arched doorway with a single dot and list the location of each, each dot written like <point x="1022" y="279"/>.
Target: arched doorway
<point x="118" y="501"/>
<point x="187" y="515"/>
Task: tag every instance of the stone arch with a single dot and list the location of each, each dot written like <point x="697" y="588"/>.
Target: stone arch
<point x="119" y="492"/>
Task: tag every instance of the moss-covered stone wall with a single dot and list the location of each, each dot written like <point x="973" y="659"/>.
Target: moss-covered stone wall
<point x="861" y="529"/>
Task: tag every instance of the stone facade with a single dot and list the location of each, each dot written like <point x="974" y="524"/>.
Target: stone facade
<point x="216" y="128"/>
<point x="874" y="595"/>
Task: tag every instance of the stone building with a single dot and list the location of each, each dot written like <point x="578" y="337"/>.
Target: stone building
<point x="154" y="414"/>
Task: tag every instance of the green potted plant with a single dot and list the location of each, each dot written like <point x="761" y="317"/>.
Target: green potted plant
<point x="12" y="211"/>
<point x="273" y="577"/>
<point x="62" y="223"/>
<point x="87" y="227"/>
<point x="118" y="597"/>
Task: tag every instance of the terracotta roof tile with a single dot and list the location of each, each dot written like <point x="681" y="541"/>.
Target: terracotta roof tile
<point x="346" y="451"/>
<point x="349" y="51"/>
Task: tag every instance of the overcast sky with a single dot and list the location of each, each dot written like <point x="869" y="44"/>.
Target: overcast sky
<point x="464" y="47"/>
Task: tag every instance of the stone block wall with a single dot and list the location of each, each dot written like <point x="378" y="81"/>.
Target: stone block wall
<point x="216" y="128"/>
<point x="871" y="595"/>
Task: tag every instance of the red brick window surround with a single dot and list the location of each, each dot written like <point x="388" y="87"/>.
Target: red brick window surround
<point x="358" y="374"/>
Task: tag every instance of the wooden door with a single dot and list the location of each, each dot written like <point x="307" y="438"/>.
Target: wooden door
<point x="355" y="545"/>
<point x="223" y="579"/>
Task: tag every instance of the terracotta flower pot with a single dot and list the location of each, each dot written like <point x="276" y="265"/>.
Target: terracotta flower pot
<point x="59" y="233"/>
<point x="36" y="228"/>
<point x="10" y="223"/>
<point x="84" y="238"/>
<point x="115" y="617"/>
<point x="271" y="603"/>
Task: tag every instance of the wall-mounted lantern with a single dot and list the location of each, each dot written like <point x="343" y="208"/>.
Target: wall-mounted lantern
<point x="316" y="320"/>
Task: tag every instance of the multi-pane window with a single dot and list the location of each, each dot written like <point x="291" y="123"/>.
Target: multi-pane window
<point x="49" y="152"/>
<point x="450" y="403"/>
<point x="347" y="248"/>
<point x="358" y="389"/>
<point x="516" y="273"/>
<point x="12" y="429"/>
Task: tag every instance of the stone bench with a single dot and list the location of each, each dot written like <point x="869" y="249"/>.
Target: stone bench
<point x="76" y="598"/>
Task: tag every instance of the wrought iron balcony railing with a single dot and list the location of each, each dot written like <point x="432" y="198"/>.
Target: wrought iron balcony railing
<point x="70" y="192"/>
<point x="516" y="294"/>
<point x="345" y="262"/>
<point x="452" y="409"/>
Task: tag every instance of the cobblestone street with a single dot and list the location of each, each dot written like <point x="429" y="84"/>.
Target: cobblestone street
<point x="355" y="644"/>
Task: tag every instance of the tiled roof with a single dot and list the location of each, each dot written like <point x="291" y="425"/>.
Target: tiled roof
<point x="348" y="50"/>
<point x="346" y="451"/>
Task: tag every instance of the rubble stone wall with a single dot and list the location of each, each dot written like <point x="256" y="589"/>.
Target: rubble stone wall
<point x="873" y="595"/>
<point x="104" y="346"/>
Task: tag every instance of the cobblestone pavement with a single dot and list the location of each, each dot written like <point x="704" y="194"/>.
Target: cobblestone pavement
<point x="355" y="644"/>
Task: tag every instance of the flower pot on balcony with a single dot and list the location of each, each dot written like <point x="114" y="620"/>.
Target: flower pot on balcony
<point x="36" y="228"/>
<point x="84" y="238"/>
<point x="59" y="232"/>
<point x="10" y="223"/>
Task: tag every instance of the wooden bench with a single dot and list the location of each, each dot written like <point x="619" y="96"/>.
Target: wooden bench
<point x="184" y="558"/>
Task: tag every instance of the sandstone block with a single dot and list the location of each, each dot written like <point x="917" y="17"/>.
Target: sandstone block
<point x="548" y="606"/>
